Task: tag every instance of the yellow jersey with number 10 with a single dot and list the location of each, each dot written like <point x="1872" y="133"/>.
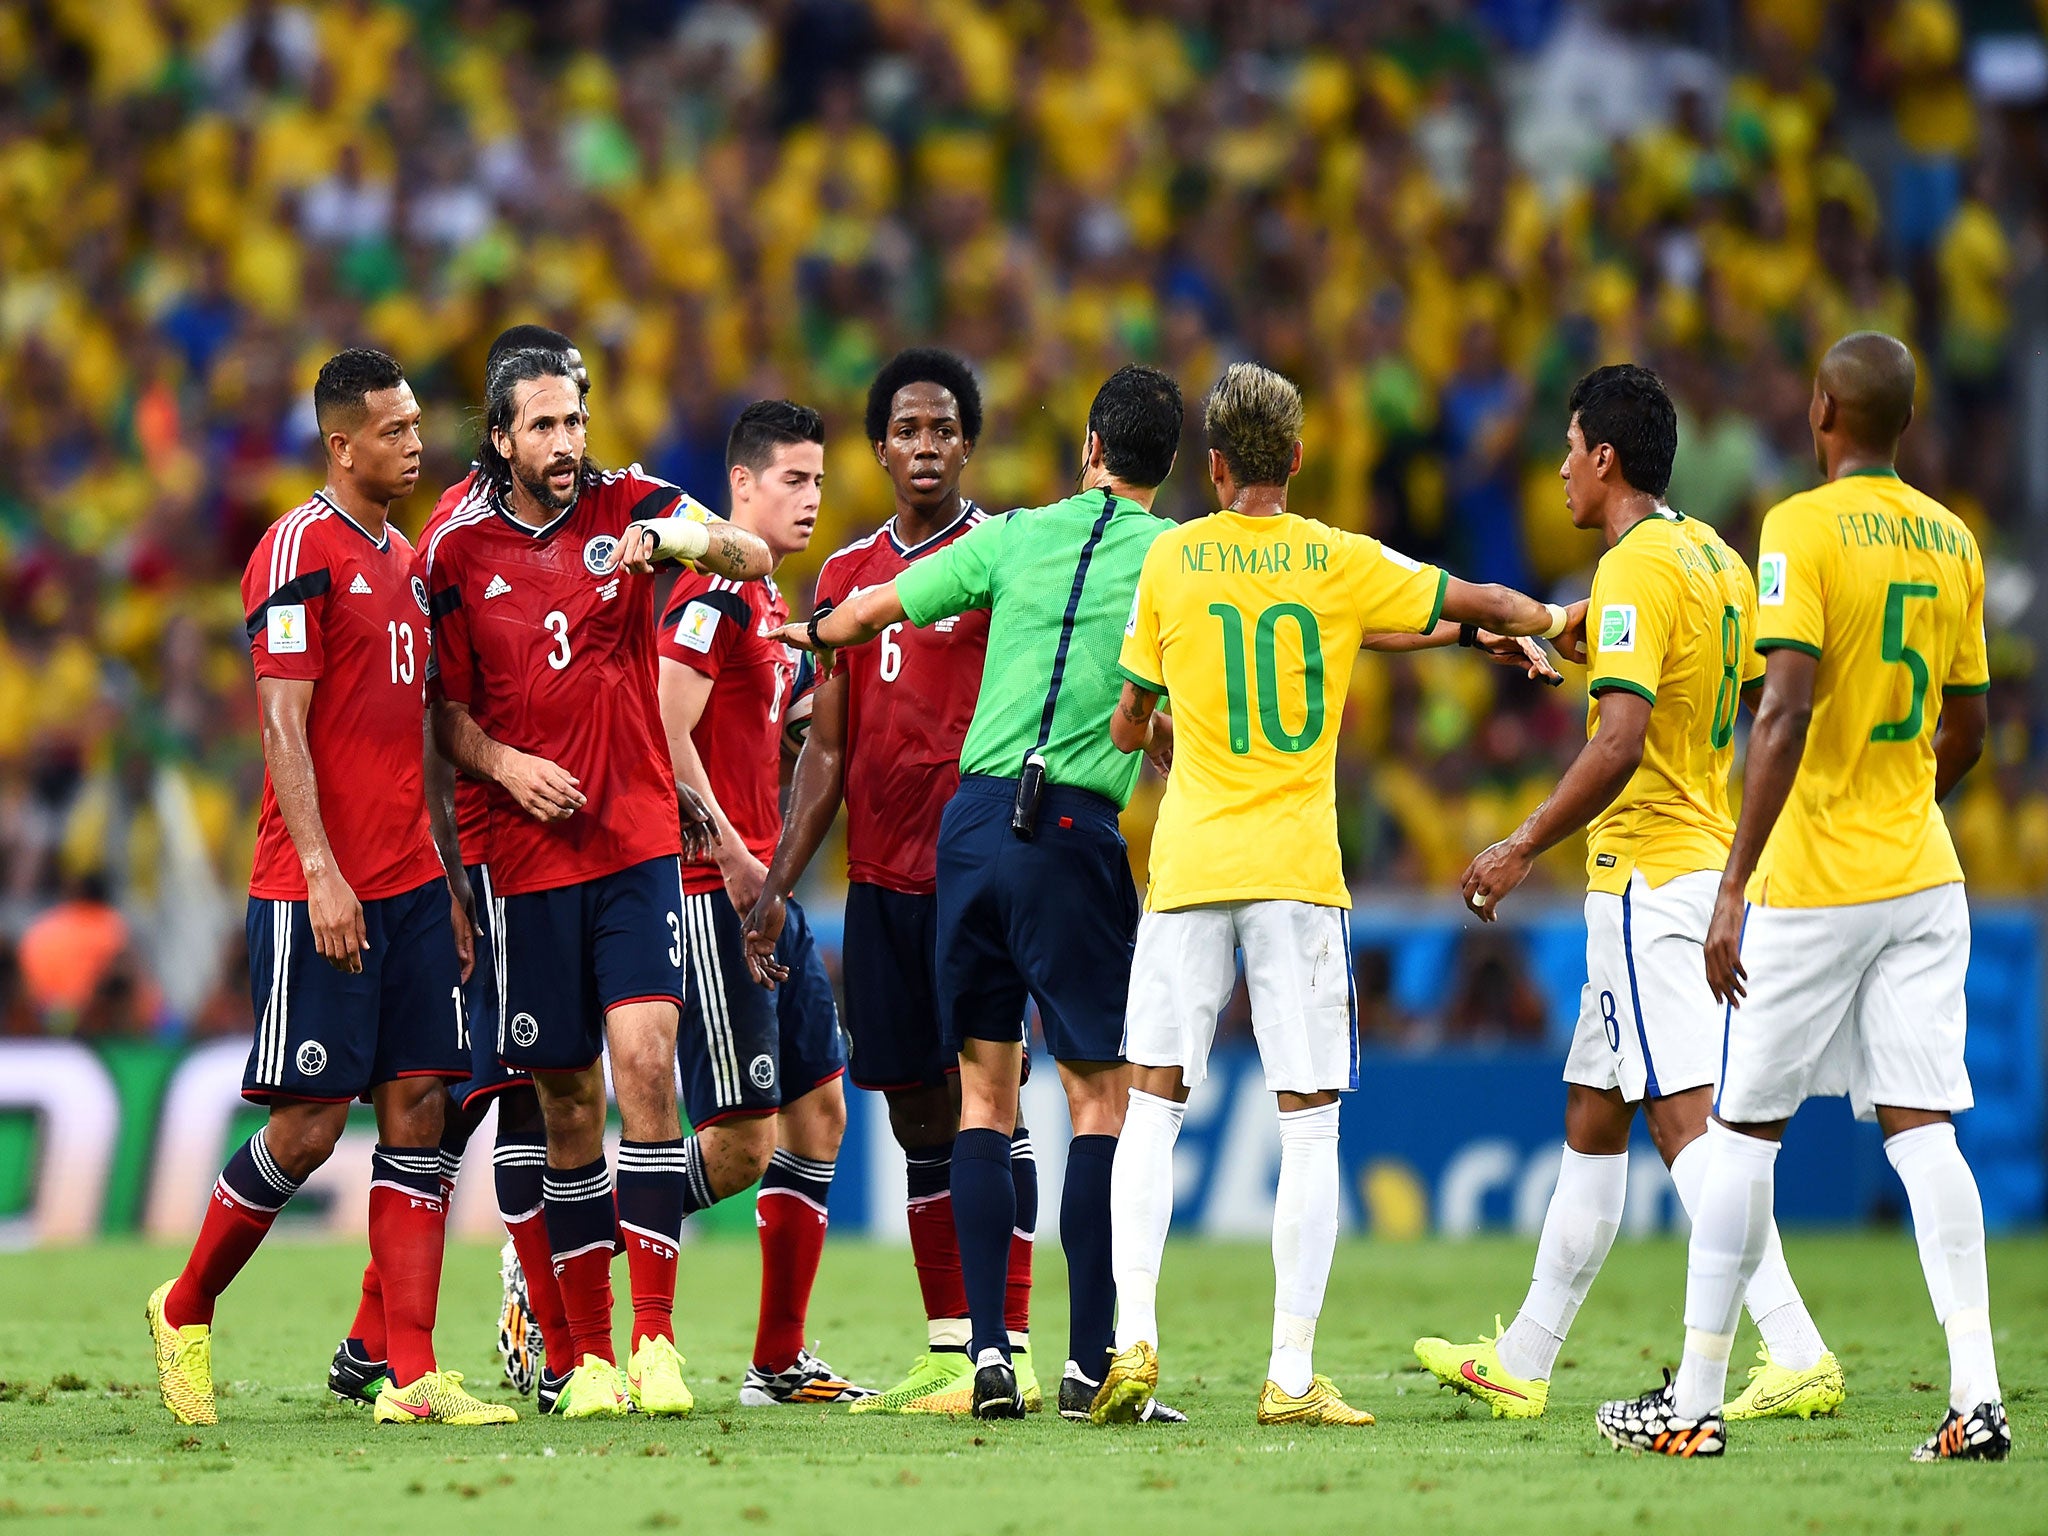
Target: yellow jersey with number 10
<point x="1250" y="625"/>
<point x="1886" y="587"/>
<point x="1672" y="618"/>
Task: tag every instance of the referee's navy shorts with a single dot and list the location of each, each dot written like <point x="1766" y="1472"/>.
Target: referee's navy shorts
<point x="1054" y="919"/>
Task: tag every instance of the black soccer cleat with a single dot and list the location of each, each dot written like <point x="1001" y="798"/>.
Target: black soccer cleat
<point x="1650" y="1423"/>
<point x="353" y="1376"/>
<point x="1157" y="1412"/>
<point x="996" y="1395"/>
<point x="1077" y="1394"/>
<point x="1982" y="1434"/>
<point x="547" y="1388"/>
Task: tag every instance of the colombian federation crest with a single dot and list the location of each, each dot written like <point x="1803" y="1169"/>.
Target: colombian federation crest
<point x="597" y="554"/>
<point x="419" y="594"/>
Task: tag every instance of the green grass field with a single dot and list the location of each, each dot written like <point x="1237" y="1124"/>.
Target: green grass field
<point x="85" y="1444"/>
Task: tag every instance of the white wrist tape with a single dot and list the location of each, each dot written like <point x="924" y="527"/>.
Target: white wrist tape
<point x="684" y="536"/>
<point x="1558" y="618"/>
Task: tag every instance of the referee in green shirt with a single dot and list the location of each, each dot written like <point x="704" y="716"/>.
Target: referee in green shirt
<point x="1035" y="897"/>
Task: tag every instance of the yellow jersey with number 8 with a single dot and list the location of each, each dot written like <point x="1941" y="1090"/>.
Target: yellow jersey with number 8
<point x="1672" y="618"/>
<point x="1885" y="586"/>
<point x="1249" y="625"/>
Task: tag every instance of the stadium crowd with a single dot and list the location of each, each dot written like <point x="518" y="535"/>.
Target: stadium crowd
<point x="1433" y="216"/>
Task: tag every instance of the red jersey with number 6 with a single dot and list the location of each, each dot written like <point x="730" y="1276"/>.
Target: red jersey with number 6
<point x="910" y="696"/>
<point x="327" y="603"/>
<point x="472" y="809"/>
<point x="720" y="627"/>
<point x="553" y="657"/>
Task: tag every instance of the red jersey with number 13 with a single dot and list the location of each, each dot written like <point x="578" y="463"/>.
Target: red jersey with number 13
<point x="910" y="696"/>
<point x="556" y="658"/>
<point x="327" y="603"/>
<point x="720" y="627"/>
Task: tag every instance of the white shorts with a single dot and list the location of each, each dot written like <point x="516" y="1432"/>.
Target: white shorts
<point x="1648" y="1023"/>
<point x="1297" y="962"/>
<point x="1863" y="1000"/>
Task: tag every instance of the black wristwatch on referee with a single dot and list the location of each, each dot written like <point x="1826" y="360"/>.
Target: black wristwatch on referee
<point x="811" y="627"/>
<point x="1468" y="636"/>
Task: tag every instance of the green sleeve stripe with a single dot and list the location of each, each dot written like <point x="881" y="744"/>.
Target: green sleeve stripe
<point x="1789" y="645"/>
<point x="1436" y="611"/>
<point x="1600" y="683"/>
<point x="1145" y="683"/>
<point x="1952" y="689"/>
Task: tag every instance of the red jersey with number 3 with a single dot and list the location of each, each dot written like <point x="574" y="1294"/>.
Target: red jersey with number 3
<point x="910" y="696"/>
<point x="720" y="627"/>
<point x="472" y="810"/>
<point x="555" y="658"/>
<point x="329" y="604"/>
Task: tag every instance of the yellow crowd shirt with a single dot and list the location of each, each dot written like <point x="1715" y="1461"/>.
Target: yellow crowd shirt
<point x="1250" y="626"/>
<point x="1886" y="587"/>
<point x="1672" y="618"/>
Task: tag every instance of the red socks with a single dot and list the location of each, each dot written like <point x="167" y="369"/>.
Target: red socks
<point x="790" y="1216"/>
<point x="543" y="1291"/>
<point x="368" y="1328"/>
<point x="408" y="1231"/>
<point x="250" y="1192"/>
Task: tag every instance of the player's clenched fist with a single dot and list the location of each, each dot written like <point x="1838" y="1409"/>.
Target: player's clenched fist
<point x="545" y="791"/>
<point x="337" y="918"/>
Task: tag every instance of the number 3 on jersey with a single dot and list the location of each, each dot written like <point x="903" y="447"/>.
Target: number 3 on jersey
<point x="1267" y="663"/>
<point x="557" y="624"/>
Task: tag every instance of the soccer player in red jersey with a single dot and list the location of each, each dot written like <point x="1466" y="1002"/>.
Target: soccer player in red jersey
<point x="761" y="1068"/>
<point x="886" y="725"/>
<point x="357" y="946"/>
<point x="543" y="609"/>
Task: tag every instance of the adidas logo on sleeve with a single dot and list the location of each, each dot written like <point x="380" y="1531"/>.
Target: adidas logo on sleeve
<point x="359" y="587"/>
<point x="498" y="588"/>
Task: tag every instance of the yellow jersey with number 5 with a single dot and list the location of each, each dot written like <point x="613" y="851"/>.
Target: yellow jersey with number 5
<point x="1885" y="586"/>
<point x="1249" y="625"/>
<point x="1672" y="618"/>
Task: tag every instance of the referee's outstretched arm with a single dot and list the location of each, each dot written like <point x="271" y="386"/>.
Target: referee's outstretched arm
<point x="854" y="622"/>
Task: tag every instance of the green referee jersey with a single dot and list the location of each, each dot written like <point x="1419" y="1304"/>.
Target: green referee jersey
<point x="1022" y="567"/>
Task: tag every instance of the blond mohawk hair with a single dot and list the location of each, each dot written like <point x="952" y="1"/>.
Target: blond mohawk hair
<point x="1253" y="418"/>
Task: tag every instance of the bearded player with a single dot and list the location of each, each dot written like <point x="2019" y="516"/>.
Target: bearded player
<point x="357" y="944"/>
<point x="544" y="648"/>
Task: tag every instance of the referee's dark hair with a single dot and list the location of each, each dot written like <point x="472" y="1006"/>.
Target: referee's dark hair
<point x="1624" y="405"/>
<point x="346" y="381"/>
<point x="924" y="365"/>
<point x="767" y="425"/>
<point x="1137" y="417"/>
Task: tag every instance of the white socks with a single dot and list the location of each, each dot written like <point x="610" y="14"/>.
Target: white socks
<point x="1304" y="1240"/>
<point x="1948" y="1221"/>
<point x="1731" y="1229"/>
<point x="1578" y="1229"/>
<point x="1774" y="1300"/>
<point x="1140" y="1210"/>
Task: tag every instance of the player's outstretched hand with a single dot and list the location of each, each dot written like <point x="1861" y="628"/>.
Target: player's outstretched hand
<point x="1725" y="973"/>
<point x="764" y="932"/>
<point x="1571" y="642"/>
<point x="337" y="918"/>
<point x="635" y="551"/>
<point x="798" y="635"/>
<point x="1488" y="878"/>
<point x="700" y="827"/>
<point x="544" y="790"/>
<point x="1525" y="653"/>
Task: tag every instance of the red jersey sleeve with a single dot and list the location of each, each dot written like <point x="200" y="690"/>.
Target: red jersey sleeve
<point x="284" y="594"/>
<point x="451" y="664"/>
<point x="704" y="620"/>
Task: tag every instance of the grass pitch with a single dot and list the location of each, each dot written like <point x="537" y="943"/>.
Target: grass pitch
<point x="84" y="1444"/>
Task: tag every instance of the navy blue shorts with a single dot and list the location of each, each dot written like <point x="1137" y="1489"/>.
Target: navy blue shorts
<point x="568" y="956"/>
<point x="487" y="1074"/>
<point x="888" y="961"/>
<point x="742" y="1049"/>
<point x="1054" y="918"/>
<point x="329" y="1036"/>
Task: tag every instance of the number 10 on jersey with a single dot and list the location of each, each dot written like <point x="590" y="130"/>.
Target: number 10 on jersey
<point x="1266" y="663"/>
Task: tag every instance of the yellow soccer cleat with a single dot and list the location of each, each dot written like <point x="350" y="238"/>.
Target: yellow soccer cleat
<point x="654" y="1377"/>
<point x="1027" y="1379"/>
<point x="1127" y="1386"/>
<point x="596" y="1389"/>
<point x="1475" y="1369"/>
<point x="1322" y="1403"/>
<point x="1779" y="1392"/>
<point x="932" y="1378"/>
<point x="438" y="1397"/>
<point x="184" y="1363"/>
